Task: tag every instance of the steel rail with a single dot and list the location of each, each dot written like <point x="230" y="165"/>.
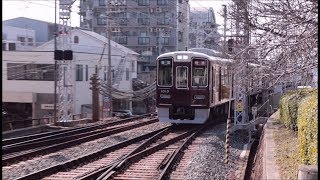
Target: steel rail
<point x="177" y="154"/>
<point x="47" y="135"/>
<point x="135" y="157"/>
<point x="53" y="140"/>
<point x="86" y="158"/>
<point x="105" y="170"/>
<point x="10" y="159"/>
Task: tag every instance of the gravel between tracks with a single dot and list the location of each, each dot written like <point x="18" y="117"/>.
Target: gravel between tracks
<point x="38" y="163"/>
<point x="208" y="161"/>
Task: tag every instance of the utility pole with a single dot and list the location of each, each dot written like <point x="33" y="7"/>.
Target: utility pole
<point x="55" y="64"/>
<point x="224" y="28"/>
<point x="109" y="53"/>
<point x="95" y="97"/>
<point x="160" y="43"/>
<point x="64" y="80"/>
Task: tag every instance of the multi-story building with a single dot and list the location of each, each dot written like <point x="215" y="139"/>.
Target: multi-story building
<point x="15" y="39"/>
<point x="203" y="29"/>
<point x="44" y="31"/>
<point x="28" y="76"/>
<point x="149" y="27"/>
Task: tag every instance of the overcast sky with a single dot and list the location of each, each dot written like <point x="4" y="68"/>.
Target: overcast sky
<point x="44" y="9"/>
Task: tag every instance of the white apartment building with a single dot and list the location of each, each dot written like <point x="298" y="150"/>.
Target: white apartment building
<point x="15" y="39"/>
<point x="28" y="77"/>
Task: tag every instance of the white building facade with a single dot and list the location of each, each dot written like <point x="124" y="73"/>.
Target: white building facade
<point x="28" y="77"/>
<point x="14" y="38"/>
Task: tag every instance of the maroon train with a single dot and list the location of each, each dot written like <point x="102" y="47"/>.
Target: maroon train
<point x="191" y="86"/>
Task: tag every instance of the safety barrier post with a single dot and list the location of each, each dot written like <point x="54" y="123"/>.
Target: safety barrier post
<point x="226" y="159"/>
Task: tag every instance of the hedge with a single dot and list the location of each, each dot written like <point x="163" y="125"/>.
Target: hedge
<point x="308" y="129"/>
<point x="289" y="107"/>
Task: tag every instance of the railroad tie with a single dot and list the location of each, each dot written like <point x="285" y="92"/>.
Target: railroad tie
<point x="226" y="159"/>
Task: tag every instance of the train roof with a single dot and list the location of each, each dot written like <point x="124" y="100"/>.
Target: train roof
<point x="196" y="54"/>
<point x="203" y="55"/>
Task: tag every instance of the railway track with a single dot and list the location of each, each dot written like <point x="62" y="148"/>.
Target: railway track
<point x="46" y="146"/>
<point x="12" y="142"/>
<point x="162" y="148"/>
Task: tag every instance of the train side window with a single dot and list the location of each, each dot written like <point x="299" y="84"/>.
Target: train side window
<point x="165" y="72"/>
<point x="182" y="77"/>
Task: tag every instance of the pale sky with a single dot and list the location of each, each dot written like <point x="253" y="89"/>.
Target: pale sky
<point x="44" y="9"/>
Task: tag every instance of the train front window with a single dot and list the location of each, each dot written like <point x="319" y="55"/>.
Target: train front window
<point x="199" y="77"/>
<point x="165" y="72"/>
<point x="182" y="77"/>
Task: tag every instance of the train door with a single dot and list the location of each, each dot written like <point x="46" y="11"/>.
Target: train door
<point x="213" y="83"/>
<point x="220" y="84"/>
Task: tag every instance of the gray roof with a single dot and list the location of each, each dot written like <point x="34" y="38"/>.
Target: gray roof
<point x="8" y="20"/>
<point x="99" y="38"/>
<point x="105" y="40"/>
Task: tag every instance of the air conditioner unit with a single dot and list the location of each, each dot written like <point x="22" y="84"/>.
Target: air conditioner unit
<point x="159" y="9"/>
<point x="151" y="29"/>
<point x="151" y="10"/>
<point x="150" y="48"/>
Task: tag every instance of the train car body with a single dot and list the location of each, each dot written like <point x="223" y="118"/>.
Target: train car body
<point x="190" y="85"/>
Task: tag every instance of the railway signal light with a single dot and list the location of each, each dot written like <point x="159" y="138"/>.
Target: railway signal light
<point x="63" y="55"/>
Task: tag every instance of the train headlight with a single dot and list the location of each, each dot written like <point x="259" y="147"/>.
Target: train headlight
<point x="199" y="97"/>
<point x="165" y="96"/>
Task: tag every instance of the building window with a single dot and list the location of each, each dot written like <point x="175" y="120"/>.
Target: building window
<point x="144" y="21"/>
<point x="101" y="21"/>
<point x="143" y="40"/>
<point x="4" y="46"/>
<point x="79" y="72"/>
<point x="87" y="72"/>
<point x="180" y="36"/>
<point x="143" y="2"/>
<point x="121" y="39"/>
<point x="180" y="1"/>
<point x="30" y="41"/>
<point x="163" y="19"/>
<point x="76" y="39"/>
<point x="12" y="46"/>
<point x="164" y="40"/>
<point x="162" y="2"/>
<point x="22" y="40"/>
<point x="40" y="72"/>
<point x="180" y="17"/>
<point x="127" y="74"/>
<point x="102" y="2"/>
<point x="133" y="66"/>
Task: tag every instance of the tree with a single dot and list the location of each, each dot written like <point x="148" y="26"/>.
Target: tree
<point x="283" y="39"/>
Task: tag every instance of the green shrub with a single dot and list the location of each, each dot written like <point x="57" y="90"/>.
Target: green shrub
<point x="289" y="107"/>
<point x="308" y="129"/>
